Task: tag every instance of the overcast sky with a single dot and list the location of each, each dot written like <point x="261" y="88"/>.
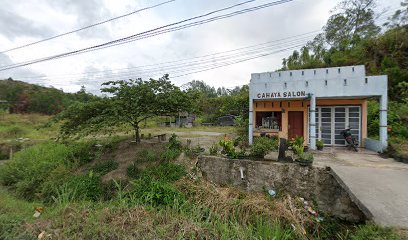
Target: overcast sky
<point x="23" y="21"/>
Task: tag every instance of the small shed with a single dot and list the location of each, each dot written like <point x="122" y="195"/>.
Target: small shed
<point x="227" y="120"/>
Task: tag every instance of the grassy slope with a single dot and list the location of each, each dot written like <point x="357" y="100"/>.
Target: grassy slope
<point x="212" y="212"/>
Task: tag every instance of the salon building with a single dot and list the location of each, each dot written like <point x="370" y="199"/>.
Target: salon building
<point x="316" y="104"/>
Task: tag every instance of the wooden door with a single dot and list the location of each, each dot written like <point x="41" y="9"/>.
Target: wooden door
<point x="295" y="124"/>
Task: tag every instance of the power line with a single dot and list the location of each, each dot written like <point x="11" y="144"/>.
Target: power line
<point x="206" y="66"/>
<point x="208" y="57"/>
<point x="86" y="27"/>
<point x="153" y="32"/>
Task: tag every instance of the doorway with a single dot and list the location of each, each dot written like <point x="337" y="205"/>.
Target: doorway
<point x="295" y="124"/>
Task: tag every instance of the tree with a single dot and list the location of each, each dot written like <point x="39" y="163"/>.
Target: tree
<point x="400" y="17"/>
<point x="131" y="102"/>
<point x="353" y="21"/>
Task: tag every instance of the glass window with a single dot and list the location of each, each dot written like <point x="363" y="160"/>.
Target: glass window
<point x="269" y="120"/>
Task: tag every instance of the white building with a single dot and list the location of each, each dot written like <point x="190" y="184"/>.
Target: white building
<point x="316" y="104"/>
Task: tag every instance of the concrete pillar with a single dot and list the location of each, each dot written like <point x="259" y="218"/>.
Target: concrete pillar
<point x="383" y="122"/>
<point x="312" y="122"/>
<point x="251" y="119"/>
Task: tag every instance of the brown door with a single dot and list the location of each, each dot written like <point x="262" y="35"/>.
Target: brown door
<point x="295" y="124"/>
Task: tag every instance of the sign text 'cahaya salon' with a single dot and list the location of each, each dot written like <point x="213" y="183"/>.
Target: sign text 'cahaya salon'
<point x="290" y="94"/>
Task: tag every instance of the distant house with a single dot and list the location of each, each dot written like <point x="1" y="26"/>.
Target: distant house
<point x="227" y="120"/>
<point x="183" y="119"/>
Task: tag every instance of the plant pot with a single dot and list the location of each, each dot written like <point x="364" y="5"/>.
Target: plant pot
<point x="320" y="148"/>
<point x="304" y="163"/>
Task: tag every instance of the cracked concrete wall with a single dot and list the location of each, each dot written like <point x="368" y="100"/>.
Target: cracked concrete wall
<point x="311" y="183"/>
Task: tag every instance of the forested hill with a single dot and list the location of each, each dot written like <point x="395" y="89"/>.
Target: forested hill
<point x="24" y="97"/>
<point x="352" y="36"/>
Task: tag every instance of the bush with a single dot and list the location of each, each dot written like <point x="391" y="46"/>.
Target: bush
<point x="227" y="147"/>
<point x="214" y="149"/>
<point x="87" y="186"/>
<point x="133" y="171"/>
<point x="263" y="145"/>
<point x="174" y="143"/>
<point x="154" y="188"/>
<point x="165" y="172"/>
<point x="147" y="156"/>
<point x="170" y="154"/>
<point x="319" y="144"/>
<point x="30" y="168"/>
<point x="105" y="167"/>
<point x="193" y="152"/>
<point x="82" y="151"/>
<point x="156" y="193"/>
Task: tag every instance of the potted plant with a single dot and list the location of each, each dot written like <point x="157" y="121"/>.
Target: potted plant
<point x="305" y="159"/>
<point x="319" y="144"/>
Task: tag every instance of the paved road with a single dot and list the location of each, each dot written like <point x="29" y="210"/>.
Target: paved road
<point x="381" y="193"/>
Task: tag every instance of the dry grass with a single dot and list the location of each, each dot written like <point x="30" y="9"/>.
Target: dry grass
<point x="234" y="204"/>
<point x="116" y="223"/>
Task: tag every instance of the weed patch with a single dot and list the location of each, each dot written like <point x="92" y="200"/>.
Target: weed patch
<point x="105" y="167"/>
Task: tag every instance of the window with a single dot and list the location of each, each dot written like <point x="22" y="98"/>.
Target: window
<point x="314" y="72"/>
<point x="366" y="80"/>
<point x="345" y="82"/>
<point x="269" y="120"/>
<point x="303" y="73"/>
<point x="327" y="71"/>
<point x="307" y="84"/>
<point x="291" y="74"/>
<point x="339" y="70"/>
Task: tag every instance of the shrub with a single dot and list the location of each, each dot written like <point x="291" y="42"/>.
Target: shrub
<point x="88" y="186"/>
<point x="14" y="131"/>
<point x="165" y="172"/>
<point x="174" y="143"/>
<point x="193" y="152"/>
<point x="319" y="144"/>
<point x="113" y="189"/>
<point x="238" y="140"/>
<point x="105" y="167"/>
<point x="147" y="156"/>
<point x="227" y="147"/>
<point x="156" y="193"/>
<point x="82" y="151"/>
<point x="170" y="154"/>
<point x="214" y="149"/>
<point x="263" y="145"/>
<point x="133" y="171"/>
<point x="29" y="169"/>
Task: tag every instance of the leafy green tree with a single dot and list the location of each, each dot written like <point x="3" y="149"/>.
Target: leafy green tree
<point x="353" y="21"/>
<point x="131" y="102"/>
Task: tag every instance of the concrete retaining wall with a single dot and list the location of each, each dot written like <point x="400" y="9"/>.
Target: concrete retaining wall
<point x="309" y="182"/>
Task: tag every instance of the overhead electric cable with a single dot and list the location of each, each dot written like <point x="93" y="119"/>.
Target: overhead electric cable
<point x="86" y="27"/>
<point x="143" y="34"/>
<point x="190" y="62"/>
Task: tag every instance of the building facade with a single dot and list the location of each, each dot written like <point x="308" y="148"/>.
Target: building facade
<point x="315" y="104"/>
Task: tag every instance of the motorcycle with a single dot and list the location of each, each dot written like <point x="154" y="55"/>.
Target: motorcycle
<point x="350" y="139"/>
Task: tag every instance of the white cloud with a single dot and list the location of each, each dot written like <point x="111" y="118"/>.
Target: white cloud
<point x="52" y="17"/>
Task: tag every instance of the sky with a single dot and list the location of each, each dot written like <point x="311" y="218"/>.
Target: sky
<point x="22" y="22"/>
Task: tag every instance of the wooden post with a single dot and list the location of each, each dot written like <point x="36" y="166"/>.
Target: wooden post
<point x="282" y="149"/>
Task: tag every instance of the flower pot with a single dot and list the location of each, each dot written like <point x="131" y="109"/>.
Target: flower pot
<point x="304" y="163"/>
